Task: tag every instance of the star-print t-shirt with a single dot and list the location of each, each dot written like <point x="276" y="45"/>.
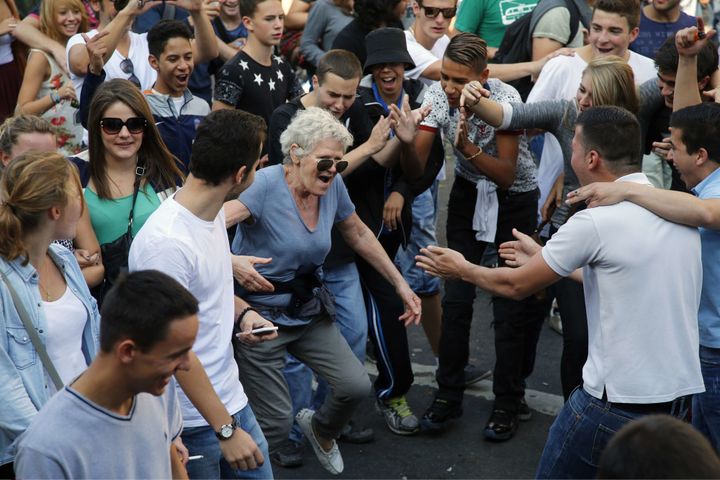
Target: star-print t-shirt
<point x="247" y="85"/>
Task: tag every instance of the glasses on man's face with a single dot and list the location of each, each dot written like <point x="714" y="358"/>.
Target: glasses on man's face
<point x="128" y="68"/>
<point x="432" y="12"/>
<point x="324" y="164"/>
<point x="112" y="126"/>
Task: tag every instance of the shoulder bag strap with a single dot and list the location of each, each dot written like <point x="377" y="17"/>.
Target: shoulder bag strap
<point x="34" y="337"/>
<point x="139" y="171"/>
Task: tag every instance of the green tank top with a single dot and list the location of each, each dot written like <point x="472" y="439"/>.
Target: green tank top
<point x="109" y="218"/>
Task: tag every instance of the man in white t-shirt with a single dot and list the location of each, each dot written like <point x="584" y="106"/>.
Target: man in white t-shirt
<point x="427" y="38"/>
<point x="126" y="53"/>
<point x="642" y="314"/>
<point x="186" y="238"/>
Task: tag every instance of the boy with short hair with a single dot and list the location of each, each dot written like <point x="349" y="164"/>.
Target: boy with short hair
<point x="255" y="80"/>
<point x="120" y="403"/>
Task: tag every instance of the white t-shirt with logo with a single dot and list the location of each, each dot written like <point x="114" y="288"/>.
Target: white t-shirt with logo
<point x="642" y="277"/>
<point x="196" y="253"/>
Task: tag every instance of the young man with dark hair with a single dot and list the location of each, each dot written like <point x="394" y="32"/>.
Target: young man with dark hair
<point x="494" y="190"/>
<point x="335" y="84"/>
<point x="149" y="324"/>
<point x="255" y="80"/>
<point x="658" y="22"/>
<point x="186" y="238"/>
<point x="177" y="112"/>
<point x="642" y="355"/>
<point x="695" y="152"/>
<point x="656" y="162"/>
<point x="659" y="446"/>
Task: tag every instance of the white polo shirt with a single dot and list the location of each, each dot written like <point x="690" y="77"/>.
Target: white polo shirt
<point x="642" y="278"/>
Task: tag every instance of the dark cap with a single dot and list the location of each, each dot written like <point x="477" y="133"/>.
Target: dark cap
<point x="387" y="45"/>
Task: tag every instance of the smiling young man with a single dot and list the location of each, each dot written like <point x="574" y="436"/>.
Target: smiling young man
<point x="255" y="80"/>
<point x="494" y="190"/>
<point x="126" y="400"/>
<point x="177" y="112"/>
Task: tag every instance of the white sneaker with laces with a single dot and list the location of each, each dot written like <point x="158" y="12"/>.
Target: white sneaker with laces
<point x="332" y="460"/>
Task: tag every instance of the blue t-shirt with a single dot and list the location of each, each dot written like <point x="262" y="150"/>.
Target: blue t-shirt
<point x="278" y="231"/>
<point x="709" y="312"/>
<point x="653" y="34"/>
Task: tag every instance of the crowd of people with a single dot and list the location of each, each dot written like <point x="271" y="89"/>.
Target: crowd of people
<point x="212" y="211"/>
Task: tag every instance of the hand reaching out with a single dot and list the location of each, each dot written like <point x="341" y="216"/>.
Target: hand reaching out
<point x="517" y="253"/>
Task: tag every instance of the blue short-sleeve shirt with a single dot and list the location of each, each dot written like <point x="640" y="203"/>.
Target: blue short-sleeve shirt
<point x="278" y="231"/>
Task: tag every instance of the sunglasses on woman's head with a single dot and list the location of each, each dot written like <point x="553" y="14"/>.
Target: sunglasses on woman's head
<point x="432" y="12"/>
<point x="324" y="164"/>
<point x="112" y="126"/>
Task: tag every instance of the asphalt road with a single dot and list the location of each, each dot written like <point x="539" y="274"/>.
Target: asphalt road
<point x="460" y="452"/>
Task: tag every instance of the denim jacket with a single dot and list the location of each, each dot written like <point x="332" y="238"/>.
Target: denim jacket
<point x="23" y="384"/>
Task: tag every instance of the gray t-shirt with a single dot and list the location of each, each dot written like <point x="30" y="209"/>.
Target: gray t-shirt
<point x="278" y="231"/>
<point x="72" y="437"/>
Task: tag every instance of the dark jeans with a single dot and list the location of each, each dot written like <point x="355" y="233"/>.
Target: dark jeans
<point x="581" y="432"/>
<point x="571" y="303"/>
<point x="517" y="323"/>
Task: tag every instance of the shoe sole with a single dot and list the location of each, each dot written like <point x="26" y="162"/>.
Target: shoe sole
<point x="524" y="417"/>
<point x="499" y="437"/>
<point x="437" y="427"/>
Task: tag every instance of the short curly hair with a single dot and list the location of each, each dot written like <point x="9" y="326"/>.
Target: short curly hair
<point x="309" y="127"/>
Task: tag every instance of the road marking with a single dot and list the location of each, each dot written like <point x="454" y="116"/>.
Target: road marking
<point x="546" y="403"/>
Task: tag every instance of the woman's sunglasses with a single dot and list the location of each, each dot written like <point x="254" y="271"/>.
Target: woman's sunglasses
<point x="112" y="126"/>
<point x="324" y="164"/>
<point x="432" y="12"/>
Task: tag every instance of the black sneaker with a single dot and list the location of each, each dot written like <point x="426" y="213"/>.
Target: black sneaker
<point x="288" y="455"/>
<point x="501" y="426"/>
<point x="524" y="413"/>
<point x="354" y="433"/>
<point x="439" y="414"/>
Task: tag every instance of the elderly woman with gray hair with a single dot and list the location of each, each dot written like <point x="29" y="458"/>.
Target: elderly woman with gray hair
<point x="288" y="213"/>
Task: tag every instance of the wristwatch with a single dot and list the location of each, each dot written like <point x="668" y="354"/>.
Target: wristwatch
<point x="226" y="431"/>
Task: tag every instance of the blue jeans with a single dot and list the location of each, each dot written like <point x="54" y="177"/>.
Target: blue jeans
<point x="344" y="283"/>
<point x="202" y="441"/>
<point x="424" y="217"/>
<point x="706" y="405"/>
<point x="580" y="433"/>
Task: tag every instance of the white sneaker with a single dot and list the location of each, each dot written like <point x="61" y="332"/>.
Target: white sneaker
<point x="331" y="461"/>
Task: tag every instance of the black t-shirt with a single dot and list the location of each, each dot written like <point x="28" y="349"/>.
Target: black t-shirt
<point x="245" y="84"/>
<point x="355" y="120"/>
